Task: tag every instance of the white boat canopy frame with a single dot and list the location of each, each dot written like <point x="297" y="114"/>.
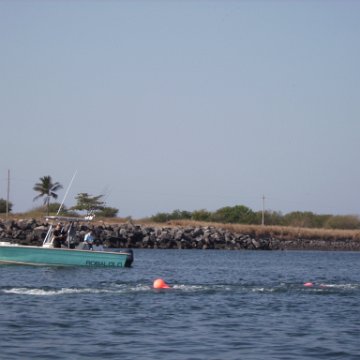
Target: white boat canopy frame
<point x="71" y="220"/>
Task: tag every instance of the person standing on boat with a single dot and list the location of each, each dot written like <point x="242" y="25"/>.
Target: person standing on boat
<point x="89" y="239"/>
<point x="59" y="236"/>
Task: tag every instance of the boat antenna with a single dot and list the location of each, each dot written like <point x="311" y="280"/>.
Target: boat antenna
<point x="67" y="191"/>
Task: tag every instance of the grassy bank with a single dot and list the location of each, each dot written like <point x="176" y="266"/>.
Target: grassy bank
<point x="279" y="232"/>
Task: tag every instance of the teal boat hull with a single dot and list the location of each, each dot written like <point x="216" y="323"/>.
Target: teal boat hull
<point x="34" y="255"/>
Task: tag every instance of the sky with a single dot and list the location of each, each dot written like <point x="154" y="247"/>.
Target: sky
<point x="189" y="105"/>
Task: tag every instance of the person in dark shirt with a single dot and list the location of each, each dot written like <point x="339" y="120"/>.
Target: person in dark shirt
<point x="59" y="236"/>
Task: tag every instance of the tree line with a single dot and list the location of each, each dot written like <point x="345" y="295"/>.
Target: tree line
<point x="241" y="214"/>
<point x="47" y="190"/>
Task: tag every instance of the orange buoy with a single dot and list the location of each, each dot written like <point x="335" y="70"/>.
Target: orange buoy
<point x="160" y="284"/>
<point x="308" y="284"/>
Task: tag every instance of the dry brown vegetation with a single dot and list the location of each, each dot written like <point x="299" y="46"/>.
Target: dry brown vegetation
<point x="280" y="232"/>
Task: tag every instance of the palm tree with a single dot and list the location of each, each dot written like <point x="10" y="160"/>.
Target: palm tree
<point x="47" y="189"/>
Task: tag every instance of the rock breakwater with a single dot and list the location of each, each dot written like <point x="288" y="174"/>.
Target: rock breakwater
<point x="130" y="235"/>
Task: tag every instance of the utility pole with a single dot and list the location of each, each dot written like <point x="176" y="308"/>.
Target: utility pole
<point x="8" y="195"/>
<point x="263" y="211"/>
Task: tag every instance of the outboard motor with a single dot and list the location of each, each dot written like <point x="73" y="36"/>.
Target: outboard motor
<point x="130" y="258"/>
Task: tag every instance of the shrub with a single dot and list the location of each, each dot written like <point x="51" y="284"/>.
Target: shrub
<point x="238" y="214"/>
<point x="107" y="212"/>
<point x="201" y="215"/>
<point x="348" y="222"/>
<point x="160" y="217"/>
<point x="3" y="206"/>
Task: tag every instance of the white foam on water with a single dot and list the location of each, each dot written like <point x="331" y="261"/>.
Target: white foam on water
<point x="189" y="287"/>
<point x="340" y="286"/>
<point x="71" y="291"/>
<point x="56" y="292"/>
<point x="264" y="289"/>
<point x="260" y="289"/>
<point x="199" y="288"/>
<point x="126" y="288"/>
<point x="140" y="288"/>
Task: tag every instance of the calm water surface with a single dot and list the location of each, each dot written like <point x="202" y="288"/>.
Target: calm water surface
<point x="222" y="305"/>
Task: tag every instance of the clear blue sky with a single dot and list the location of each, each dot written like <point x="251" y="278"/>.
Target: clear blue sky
<point x="164" y="105"/>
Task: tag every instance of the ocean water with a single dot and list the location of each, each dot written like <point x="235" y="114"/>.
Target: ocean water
<point x="221" y="305"/>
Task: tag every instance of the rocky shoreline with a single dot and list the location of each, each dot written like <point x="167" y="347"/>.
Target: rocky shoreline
<point x="130" y="235"/>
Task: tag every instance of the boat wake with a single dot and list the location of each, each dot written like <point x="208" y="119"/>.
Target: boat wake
<point x="69" y="291"/>
<point x="118" y="288"/>
<point x="51" y="292"/>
